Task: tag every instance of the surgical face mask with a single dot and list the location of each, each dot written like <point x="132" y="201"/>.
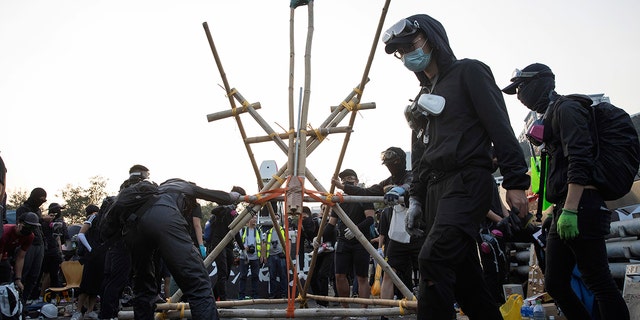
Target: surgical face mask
<point x="416" y="60"/>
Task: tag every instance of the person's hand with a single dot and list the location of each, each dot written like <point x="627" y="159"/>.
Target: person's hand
<point x="338" y="183"/>
<point x="517" y="199"/>
<point x="349" y="234"/>
<point x="203" y="251"/>
<point x="568" y="224"/>
<point x="316" y="243"/>
<point x="19" y="284"/>
<point x="392" y="196"/>
<point x="234" y="196"/>
<point x="413" y="220"/>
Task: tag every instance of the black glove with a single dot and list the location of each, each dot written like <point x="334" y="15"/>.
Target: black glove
<point x="365" y="226"/>
<point x="413" y="221"/>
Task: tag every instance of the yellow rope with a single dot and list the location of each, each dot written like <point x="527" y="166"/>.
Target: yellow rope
<point x="234" y="112"/>
<point x="245" y="103"/>
<point x="357" y="90"/>
<point x="272" y="134"/>
<point x="278" y="179"/>
<point x="182" y="310"/>
<point x="319" y="135"/>
<point x="401" y="307"/>
<point x="232" y="92"/>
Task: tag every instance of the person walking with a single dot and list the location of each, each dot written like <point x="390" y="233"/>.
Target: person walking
<point x="457" y="115"/>
<point x="581" y="220"/>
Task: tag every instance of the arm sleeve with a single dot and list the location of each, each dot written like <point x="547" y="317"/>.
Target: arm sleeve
<point x="492" y="112"/>
<point x="575" y="136"/>
<point x="84" y="241"/>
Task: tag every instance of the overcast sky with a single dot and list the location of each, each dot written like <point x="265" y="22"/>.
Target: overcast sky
<point x="89" y="88"/>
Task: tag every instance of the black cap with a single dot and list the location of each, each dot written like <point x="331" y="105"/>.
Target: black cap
<point x="532" y="71"/>
<point x="30" y="218"/>
<point x="91" y="209"/>
<point x="346" y="173"/>
<point x="55" y="207"/>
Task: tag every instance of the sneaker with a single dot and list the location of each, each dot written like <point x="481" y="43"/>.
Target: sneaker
<point x="91" y="315"/>
<point x="77" y="316"/>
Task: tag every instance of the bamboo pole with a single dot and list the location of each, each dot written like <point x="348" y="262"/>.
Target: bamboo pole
<point x="230" y="113"/>
<point x="223" y="75"/>
<point x="323" y="132"/>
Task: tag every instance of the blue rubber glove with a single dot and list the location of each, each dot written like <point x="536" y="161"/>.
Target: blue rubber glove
<point x="568" y="224"/>
<point x="203" y="251"/>
<point x="413" y="220"/>
<point x="392" y="196"/>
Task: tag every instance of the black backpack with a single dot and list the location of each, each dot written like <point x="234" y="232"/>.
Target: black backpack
<point x="134" y="199"/>
<point x="616" y="147"/>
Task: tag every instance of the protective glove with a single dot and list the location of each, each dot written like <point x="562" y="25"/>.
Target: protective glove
<point x="316" y="243"/>
<point x="413" y="220"/>
<point x="392" y="196"/>
<point x="234" y="196"/>
<point x="568" y="224"/>
<point x="349" y="234"/>
<point x="203" y="251"/>
<point x="381" y="252"/>
<point x="505" y="226"/>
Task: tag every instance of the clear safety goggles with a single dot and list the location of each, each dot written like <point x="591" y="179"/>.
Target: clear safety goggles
<point x="388" y="156"/>
<point x="519" y="74"/>
<point x="402" y="28"/>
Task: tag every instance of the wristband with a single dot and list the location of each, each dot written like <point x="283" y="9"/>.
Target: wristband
<point x="570" y="211"/>
<point x="17" y="279"/>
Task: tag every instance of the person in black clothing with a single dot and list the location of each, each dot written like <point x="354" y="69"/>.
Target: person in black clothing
<point x="3" y="194"/>
<point x="162" y="228"/>
<point x="401" y="249"/>
<point x="117" y="269"/>
<point x="581" y="219"/>
<point x="323" y="272"/>
<point x="54" y="230"/>
<point x="35" y="254"/>
<point x="458" y="113"/>
<point x="216" y="229"/>
<point x="351" y="256"/>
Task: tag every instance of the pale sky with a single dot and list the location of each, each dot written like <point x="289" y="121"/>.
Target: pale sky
<point x="92" y="87"/>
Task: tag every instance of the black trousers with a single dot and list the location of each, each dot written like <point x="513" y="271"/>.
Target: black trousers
<point x="450" y="269"/>
<point x="163" y="229"/>
<point x="589" y="252"/>
<point x="117" y="270"/>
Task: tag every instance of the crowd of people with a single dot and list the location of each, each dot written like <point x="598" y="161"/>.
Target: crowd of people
<point x="460" y="135"/>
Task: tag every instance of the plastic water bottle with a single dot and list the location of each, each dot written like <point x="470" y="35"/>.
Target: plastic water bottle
<point x="525" y="311"/>
<point x="538" y="311"/>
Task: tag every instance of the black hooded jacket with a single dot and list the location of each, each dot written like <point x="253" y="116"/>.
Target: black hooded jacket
<point x="474" y="117"/>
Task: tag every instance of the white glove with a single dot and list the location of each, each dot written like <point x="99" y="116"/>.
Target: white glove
<point x="381" y="252"/>
<point x="316" y="243"/>
<point x="349" y="234"/>
<point x="234" y="196"/>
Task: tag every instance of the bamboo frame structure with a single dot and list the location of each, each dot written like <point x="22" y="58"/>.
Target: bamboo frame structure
<point x="293" y="175"/>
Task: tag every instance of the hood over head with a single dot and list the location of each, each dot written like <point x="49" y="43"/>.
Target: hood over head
<point x="437" y="39"/>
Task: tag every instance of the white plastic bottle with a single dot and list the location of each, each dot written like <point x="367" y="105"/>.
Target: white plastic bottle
<point x="538" y="311"/>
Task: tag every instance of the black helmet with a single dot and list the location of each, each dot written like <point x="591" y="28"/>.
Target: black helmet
<point x="30" y="218"/>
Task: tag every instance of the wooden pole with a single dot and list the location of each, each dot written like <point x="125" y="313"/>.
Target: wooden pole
<point x="223" y="75"/>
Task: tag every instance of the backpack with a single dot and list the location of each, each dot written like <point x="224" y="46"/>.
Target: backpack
<point x="133" y="199"/>
<point x="10" y="304"/>
<point x="616" y="147"/>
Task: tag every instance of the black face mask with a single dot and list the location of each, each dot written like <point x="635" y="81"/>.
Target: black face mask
<point x="25" y="232"/>
<point x="535" y="94"/>
<point x="349" y="183"/>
